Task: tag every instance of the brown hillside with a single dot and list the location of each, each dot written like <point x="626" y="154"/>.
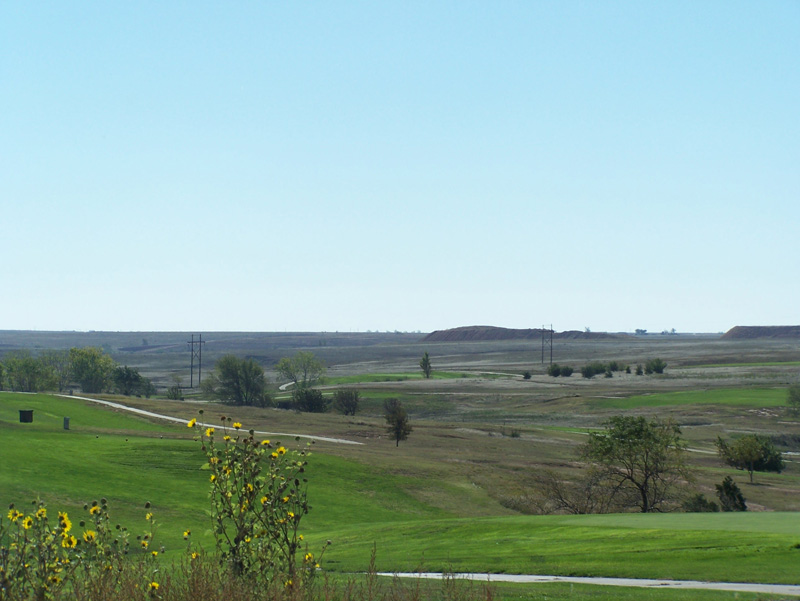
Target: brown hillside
<point x="751" y="332"/>
<point x="481" y="333"/>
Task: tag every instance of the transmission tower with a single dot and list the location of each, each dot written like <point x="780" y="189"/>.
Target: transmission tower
<point x="196" y="351"/>
<point x="547" y="341"/>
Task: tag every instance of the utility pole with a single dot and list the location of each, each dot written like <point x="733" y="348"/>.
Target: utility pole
<point x="196" y="351"/>
<point x="547" y="340"/>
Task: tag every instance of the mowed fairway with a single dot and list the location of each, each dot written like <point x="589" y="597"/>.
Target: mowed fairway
<point x="356" y="505"/>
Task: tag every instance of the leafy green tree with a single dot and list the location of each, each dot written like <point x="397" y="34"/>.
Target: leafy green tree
<point x="91" y="368"/>
<point x="26" y="373"/>
<point x="237" y="382"/>
<point x="730" y="496"/>
<point x="303" y="368"/>
<point x="793" y="399"/>
<point x="127" y="380"/>
<point x="396" y="420"/>
<point x="57" y="362"/>
<point x="425" y="364"/>
<point x="309" y="400"/>
<point x="751" y="452"/>
<point x="2" y="376"/>
<point x="640" y="459"/>
<point x="346" y="400"/>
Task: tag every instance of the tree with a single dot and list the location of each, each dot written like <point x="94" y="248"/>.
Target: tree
<point x="793" y="399"/>
<point x="26" y="373"/>
<point x="237" y="382"/>
<point x="641" y="460"/>
<point x="2" y="376"/>
<point x="396" y="420"/>
<point x="425" y="364"/>
<point x="730" y="496"/>
<point x="57" y="362"/>
<point x="309" y="400"/>
<point x="91" y="368"/>
<point x="346" y="400"/>
<point x="127" y="380"/>
<point x="751" y="452"/>
<point x="303" y="368"/>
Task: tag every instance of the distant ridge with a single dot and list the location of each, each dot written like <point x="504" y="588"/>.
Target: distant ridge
<point x="750" y="332"/>
<point x="480" y="333"/>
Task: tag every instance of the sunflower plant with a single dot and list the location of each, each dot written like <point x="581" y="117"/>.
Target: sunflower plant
<point x="258" y="499"/>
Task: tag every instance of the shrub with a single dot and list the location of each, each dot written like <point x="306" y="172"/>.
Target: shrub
<point x="526" y="375"/>
<point x="699" y="504"/>
<point x="730" y="496"/>
<point x="592" y="369"/>
<point x="566" y="371"/>
<point x="656" y="366"/>
<point x="175" y="393"/>
<point x="554" y="370"/>
<point x="639" y="370"/>
<point x="309" y="400"/>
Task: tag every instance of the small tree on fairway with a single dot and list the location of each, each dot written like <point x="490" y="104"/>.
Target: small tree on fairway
<point x="346" y="400"/>
<point x="425" y="364"/>
<point x="396" y="420"/>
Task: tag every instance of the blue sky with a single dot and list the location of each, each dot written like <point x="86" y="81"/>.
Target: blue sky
<point x="413" y="165"/>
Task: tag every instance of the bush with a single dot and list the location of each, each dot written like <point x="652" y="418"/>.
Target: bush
<point x="175" y="393"/>
<point x="654" y="366"/>
<point x="592" y="369"/>
<point x="730" y="496"/>
<point x="699" y="504"/>
<point x="554" y="370"/>
<point x="566" y="371"/>
<point x="526" y="375"/>
<point x="639" y="370"/>
<point x="309" y="400"/>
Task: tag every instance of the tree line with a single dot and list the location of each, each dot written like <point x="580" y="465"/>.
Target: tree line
<point x="89" y="368"/>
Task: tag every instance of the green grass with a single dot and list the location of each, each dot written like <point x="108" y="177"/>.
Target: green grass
<point x="740" y="397"/>
<point x="360" y="502"/>
<point x="676" y="546"/>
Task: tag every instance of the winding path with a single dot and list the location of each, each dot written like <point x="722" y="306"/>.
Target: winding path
<point x="739" y="587"/>
<point x="182" y="420"/>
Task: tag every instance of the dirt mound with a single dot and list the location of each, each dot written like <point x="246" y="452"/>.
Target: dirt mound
<point x="751" y="332"/>
<point x="481" y="333"/>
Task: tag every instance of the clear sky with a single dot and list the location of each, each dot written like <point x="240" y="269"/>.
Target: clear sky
<point x="404" y="165"/>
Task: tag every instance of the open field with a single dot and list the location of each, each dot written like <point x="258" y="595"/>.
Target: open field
<point x="453" y="495"/>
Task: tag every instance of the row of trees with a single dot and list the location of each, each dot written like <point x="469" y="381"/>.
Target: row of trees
<point x="89" y="368"/>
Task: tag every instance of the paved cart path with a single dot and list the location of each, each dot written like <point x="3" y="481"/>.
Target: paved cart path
<point x="739" y="587"/>
<point x="183" y="420"/>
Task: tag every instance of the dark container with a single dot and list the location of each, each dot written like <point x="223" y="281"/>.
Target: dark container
<point x="26" y="416"/>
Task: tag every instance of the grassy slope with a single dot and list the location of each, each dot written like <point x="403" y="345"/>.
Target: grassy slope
<point x="357" y="503"/>
<point x="742" y="397"/>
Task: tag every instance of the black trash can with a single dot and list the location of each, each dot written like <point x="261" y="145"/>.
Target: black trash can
<point x="26" y="416"/>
